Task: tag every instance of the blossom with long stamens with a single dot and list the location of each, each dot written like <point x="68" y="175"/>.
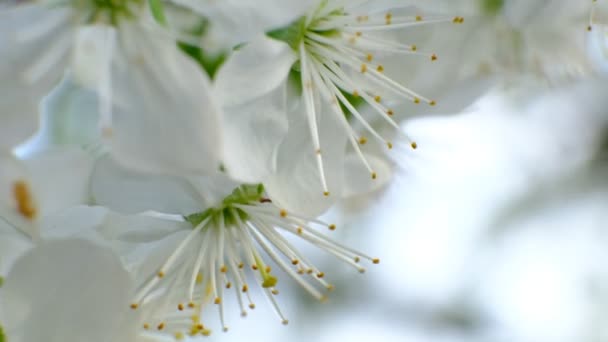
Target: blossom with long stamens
<point x="245" y="231"/>
<point x="222" y="237"/>
<point x="331" y="52"/>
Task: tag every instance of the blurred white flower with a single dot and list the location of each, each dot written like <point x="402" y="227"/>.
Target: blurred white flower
<point x="69" y="291"/>
<point x="105" y="39"/>
<point x="27" y="195"/>
<point x="514" y="37"/>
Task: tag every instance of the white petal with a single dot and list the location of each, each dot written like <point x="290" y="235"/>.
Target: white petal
<point x="237" y="21"/>
<point x="69" y="117"/>
<point x="59" y="178"/>
<point x="67" y="291"/>
<point x="296" y="185"/>
<point x="12" y="245"/>
<point x="164" y="118"/>
<point x="251" y="87"/>
<point x="34" y="46"/>
<point x="254" y="70"/>
<point x="127" y="191"/>
<point x="253" y="133"/>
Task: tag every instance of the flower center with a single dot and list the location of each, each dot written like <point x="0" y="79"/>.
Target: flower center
<point x="107" y="11"/>
<point x="213" y="258"/>
<point x="244" y="194"/>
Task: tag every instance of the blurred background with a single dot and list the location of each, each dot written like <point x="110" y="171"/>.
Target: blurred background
<point x="493" y="230"/>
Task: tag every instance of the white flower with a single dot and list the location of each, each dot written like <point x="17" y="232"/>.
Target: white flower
<point x="224" y="229"/>
<point x="105" y="39"/>
<point x="334" y="48"/>
<point x="69" y="291"/>
<point x="518" y="36"/>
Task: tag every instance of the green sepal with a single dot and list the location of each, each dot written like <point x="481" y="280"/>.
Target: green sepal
<point x="2" y="336"/>
<point x="292" y="34"/>
<point x="244" y="194"/>
<point x="158" y="11"/>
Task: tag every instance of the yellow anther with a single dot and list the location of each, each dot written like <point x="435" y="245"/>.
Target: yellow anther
<point x="320" y="275"/>
<point x="363" y="68"/>
<point x="191" y="305"/>
<point x="161" y="326"/>
<point x="390" y="112"/>
<point x="146" y="326"/>
<point x="217" y="300"/>
<point x="380" y="68"/>
<point x="325" y="193"/>
<point x="160" y="274"/>
<point x="245" y="288"/>
<point x="355" y="94"/>
<point x="389" y="145"/>
<point x="299" y="230"/>
<point x="413" y="47"/>
<point x="295" y="262"/>
<point x="241" y="265"/>
<point x="179" y="336"/>
<point x="332" y="227"/>
<point x="433" y="57"/>
<point x="134" y="306"/>
<point x="418" y="18"/>
<point x="199" y="278"/>
<point x="285" y="322"/>
<point x="370" y="57"/>
<point x="358" y="33"/>
<point x="283" y="213"/>
<point x="357" y="259"/>
<point x="223" y="269"/>
<point x="376" y="261"/>
<point x="252" y="306"/>
<point x="274" y="292"/>
<point x="389" y="18"/>
<point x="416" y="100"/>
<point x="180" y="307"/>
<point x="374" y="175"/>
<point x="363" y="140"/>
<point x="414" y="145"/>
<point x="228" y="285"/>
<point x="377" y="98"/>
<point x="432" y="103"/>
<point x="24" y="199"/>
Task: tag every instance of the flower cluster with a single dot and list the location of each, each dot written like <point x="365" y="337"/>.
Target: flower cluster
<point x="189" y="146"/>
